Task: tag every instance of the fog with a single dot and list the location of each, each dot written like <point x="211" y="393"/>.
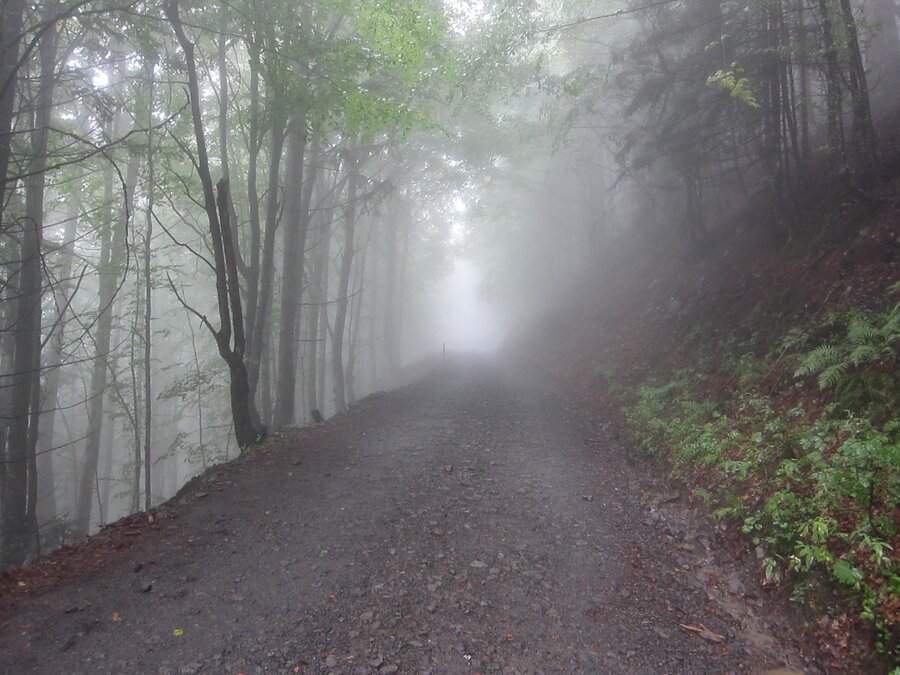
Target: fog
<point x="465" y="321"/>
<point x="224" y="222"/>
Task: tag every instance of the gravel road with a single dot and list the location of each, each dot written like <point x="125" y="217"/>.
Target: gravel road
<point x="472" y="522"/>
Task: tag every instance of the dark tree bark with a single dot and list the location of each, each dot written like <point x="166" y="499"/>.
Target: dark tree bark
<point x="863" y="128"/>
<point x="231" y="315"/>
<point x="11" y="24"/>
<point x="19" y="485"/>
<point x="257" y="345"/>
<point x="833" y="85"/>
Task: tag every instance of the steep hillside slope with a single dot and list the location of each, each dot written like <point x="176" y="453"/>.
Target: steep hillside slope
<point x="764" y="373"/>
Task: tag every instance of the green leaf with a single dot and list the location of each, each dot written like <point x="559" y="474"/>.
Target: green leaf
<point x="846" y="573"/>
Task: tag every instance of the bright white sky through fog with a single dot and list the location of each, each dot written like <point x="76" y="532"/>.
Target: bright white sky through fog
<point x="465" y="322"/>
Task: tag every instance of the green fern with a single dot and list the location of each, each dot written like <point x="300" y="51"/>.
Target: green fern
<point x="831" y="376"/>
<point x="863" y="354"/>
<point x="859" y="367"/>
<point x="817" y="360"/>
<point x="861" y="331"/>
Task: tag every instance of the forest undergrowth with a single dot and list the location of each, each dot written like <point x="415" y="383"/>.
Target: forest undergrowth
<point x="764" y="375"/>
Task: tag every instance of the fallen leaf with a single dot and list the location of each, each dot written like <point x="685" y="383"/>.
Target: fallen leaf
<point x="116" y="616"/>
<point x="177" y="632"/>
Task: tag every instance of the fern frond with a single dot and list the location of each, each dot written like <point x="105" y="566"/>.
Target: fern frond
<point x="890" y="331"/>
<point x="818" y="359"/>
<point x="864" y="354"/>
<point x="861" y="331"/>
<point x="831" y="375"/>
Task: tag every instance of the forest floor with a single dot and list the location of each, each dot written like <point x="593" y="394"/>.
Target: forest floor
<point x="475" y="521"/>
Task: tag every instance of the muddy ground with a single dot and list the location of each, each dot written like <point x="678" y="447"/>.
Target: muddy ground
<point x="472" y="522"/>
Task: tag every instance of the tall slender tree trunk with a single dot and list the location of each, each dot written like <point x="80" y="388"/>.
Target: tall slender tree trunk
<point x="261" y="328"/>
<point x="356" y="309"/>
<point x="46" y="498"/>
<point x="863" y="128"/>
<point x="112" y="258"/>
<point x="322" y="308"/>
<point x="340" y="320"/>
<point x="295" y="228"/>
<point x="12" y="14"/>
<point x="218" y="213"/>
<point x="312" y="331"/>
<point x="883" y="54"/>
<point x="805" y="102"/>
<point x="392" y="353"/>
<point x="148" y="289"/>
<point x="371" y="324"/>
<point x="18" y="477"/>
<point x="833" y="94"/>
<point x="17" y="531"/>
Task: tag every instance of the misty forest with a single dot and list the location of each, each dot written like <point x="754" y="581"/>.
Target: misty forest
<point x="449" y="336"/>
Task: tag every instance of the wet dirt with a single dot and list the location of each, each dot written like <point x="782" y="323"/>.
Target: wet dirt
<point x="472" y="522"/>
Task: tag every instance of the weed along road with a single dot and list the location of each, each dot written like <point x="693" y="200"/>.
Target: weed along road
<point x="471" y="522"/>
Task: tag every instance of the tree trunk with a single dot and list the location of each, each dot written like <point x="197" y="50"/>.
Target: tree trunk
<point x="112" y="256"/>
<point x="46" y="498"/>
<point x="296" y="222"/>
<point x="863" y="129"/>
<point x="257" y="346"/>
<point x="833" y="95"/>
<point x="11" y="23"/>
<point x="392" y="355"/>
<point x="340" y="320"/>
<point x="883" y="54"/>
<point x="148" y="290"/>
<point x="322" y="309"/>
<point x="19" y="485"/>
<point x="17" y="530"/>
<point x="231" y="316"/>
<point x="356" y="308"/>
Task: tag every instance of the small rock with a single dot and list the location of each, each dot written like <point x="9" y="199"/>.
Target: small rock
<point x="478" y="564"/>
<point x="331" y="661"/>
<point x="735" y="585"/>
<point x="366" y="617"/>
<point x="389" y="669"/>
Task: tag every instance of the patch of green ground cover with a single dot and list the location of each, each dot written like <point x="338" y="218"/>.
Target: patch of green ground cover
<point x="811" y="474"/>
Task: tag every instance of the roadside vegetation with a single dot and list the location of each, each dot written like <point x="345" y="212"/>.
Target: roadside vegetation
<point x="794" y="439"/>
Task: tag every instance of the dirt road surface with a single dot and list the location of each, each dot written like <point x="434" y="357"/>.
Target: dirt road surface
<point x="472" y="522"/>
